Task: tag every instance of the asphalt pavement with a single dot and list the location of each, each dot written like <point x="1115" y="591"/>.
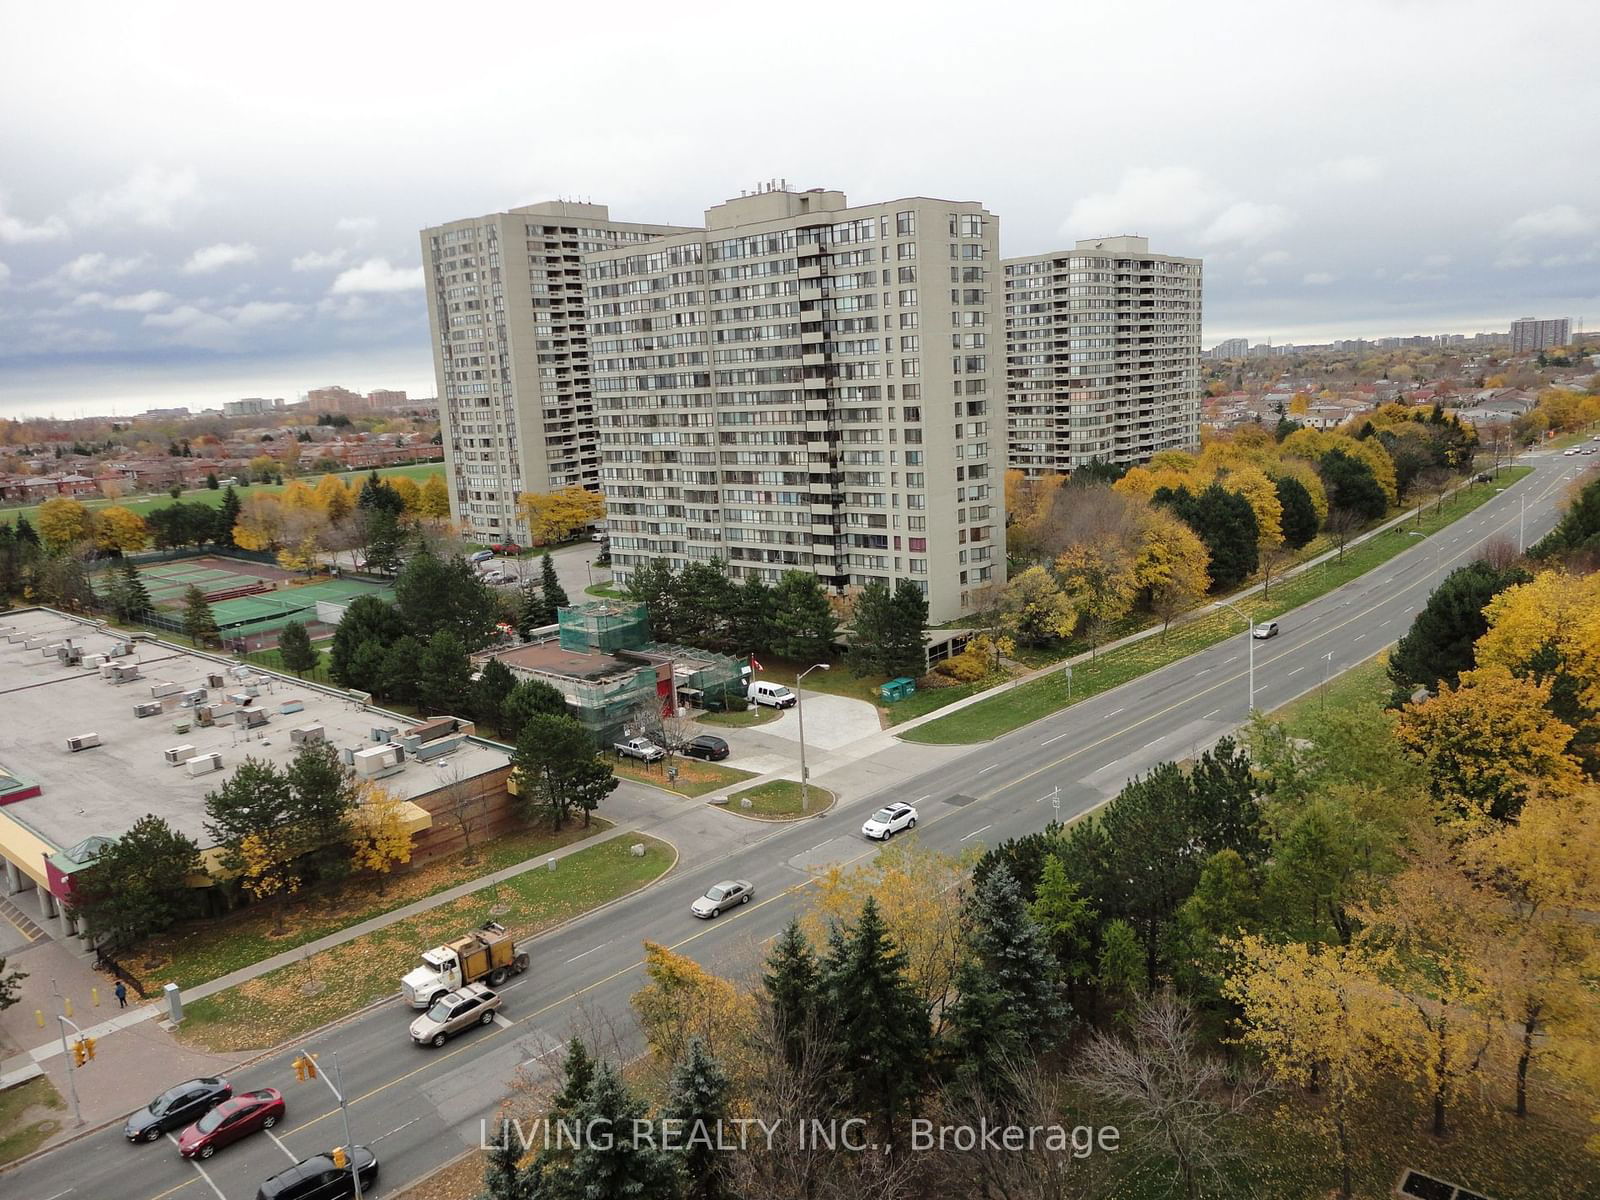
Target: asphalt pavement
<point x="420" y="1107"/>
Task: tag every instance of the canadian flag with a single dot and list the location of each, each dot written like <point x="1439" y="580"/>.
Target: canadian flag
<point x="755" y="664"/>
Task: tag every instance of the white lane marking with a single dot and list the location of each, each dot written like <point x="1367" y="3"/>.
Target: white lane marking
<point x="1226" y="661"/>
<point x="765" y="940"/>
<point x="1057" y="738"/>
<point x="1297" y="670"/>
<point x="920" y="799"/>
<point x="976" y="832"/>
<point x="394" y="1131"/>
<point x="590" y="951"/>
<point x="58" y="1195"/>
<point x="1147" y="745"/>
<point x="1109" y="765"/>
<point x="498" y="1020"/>
<point x="552" y="1052"/>
<point x="209" y="1181"/>
<point x="989" y="768"/>
<point x="1204" y="670"/>
<point x="1113" y="712"/>
<point x="1212" y="713"/>
<point x="293" y="1157"/>
<point x="1359" y="636"/>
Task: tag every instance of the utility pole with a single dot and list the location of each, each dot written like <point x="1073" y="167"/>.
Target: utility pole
<point x="1327" y="666"/>
<point x="1250" y="633"/>
<point x="1522" y="519"/>
<point x="800" y="715"/>
<point x="305" y="1067"/>
<point x="62" y="1023"/>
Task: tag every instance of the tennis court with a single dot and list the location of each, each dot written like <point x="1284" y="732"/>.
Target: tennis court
<point x="245" y="615"/>
<point x="217" y="578"/>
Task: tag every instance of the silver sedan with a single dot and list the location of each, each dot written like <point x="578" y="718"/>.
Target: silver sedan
<point x="721" y="897"/>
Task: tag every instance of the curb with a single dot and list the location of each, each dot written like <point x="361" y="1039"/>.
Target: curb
<point x="833" y="802"/>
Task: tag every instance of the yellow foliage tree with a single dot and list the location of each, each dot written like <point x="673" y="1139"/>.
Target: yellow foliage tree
<point x="435" y="503"/>
<point x="682" y="1000"/>
<point x="1028" y="506"/>
<point x="1317" y="1015"/>
<point x="120" y="529"/>
<point x="1172" y="565"/>
<point x="267" y="869"/>
<point x="380" y="840"/>
<point x="1097" y="577"/>
<point x="1489" y="742"/>
<point x="1034" y="609"/>
<point x="260" y="523"/>
<point x="1552" y="616"/>
<point x="64" y="522"/>
<point x="1299" y="404"/>
<point x="1262" y="495"/>
<point x="408" y="491"/>
<point x="297" y="496"/>
<point x="556" y="516"/>
<point x="921" y="895"/>
<point x="334" y="498"/>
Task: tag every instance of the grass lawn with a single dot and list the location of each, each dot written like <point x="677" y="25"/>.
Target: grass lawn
<point x="293" y="1000"/>
<point x="1047" y="694"/>
<point x="604" y="590"/>
<point x="25" y="1120"/>
<point x="779" y="800"/>
<point x="1365" y="685"/>
<point x="273" y="661"/>
<point x="194" y="955"/>
<point x="695" y="776"/>
<point x="756" y="714"/>
<point x="143" y="502"/>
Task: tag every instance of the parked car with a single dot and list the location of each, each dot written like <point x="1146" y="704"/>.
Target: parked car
<point x="890" y="820"/>
<point x="480" y="556"/>
<point x="721" y="897"/>
<point x="707" y="746"/>
<point x="1267" y="629"/>
<point x="641" y="748"/>
<point x="506" y="548"/>
<point x="1483" y="477"/>
<point x="316" y="1178"/>
<point x="230" y="1121"/>
<point x="176" y="1107"/>
<point x="774" y="695"/>
<point x="461" y="1009"/>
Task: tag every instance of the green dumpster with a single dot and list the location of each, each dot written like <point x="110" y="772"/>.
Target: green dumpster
<point x="897" y="689"/>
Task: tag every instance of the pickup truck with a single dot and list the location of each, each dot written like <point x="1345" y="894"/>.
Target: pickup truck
<point x="641" y="748"/>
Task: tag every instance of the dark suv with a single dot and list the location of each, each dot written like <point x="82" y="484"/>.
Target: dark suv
<point x="316" y="1178"/>
<point x="707" y="746"/>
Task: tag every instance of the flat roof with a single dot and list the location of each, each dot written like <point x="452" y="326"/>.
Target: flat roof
<point x="104" y="789"/>
<point x="554" y="659"/>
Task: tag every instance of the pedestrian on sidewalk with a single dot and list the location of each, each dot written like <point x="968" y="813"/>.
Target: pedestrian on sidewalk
<point x="121" y="991"/>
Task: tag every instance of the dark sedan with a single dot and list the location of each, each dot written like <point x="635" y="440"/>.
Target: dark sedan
<point x="706" y="746"/>
<point x="230" y="1121"/>
<point x="175" y="1108"/>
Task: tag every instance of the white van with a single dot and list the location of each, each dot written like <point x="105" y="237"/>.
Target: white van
<point x="774" y="695"/>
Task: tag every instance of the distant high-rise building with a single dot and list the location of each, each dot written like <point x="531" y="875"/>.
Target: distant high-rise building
<point x="1531" y="333"/>
<point x="510" y="353"/>
<point x="1231" y="348"/>
<point x="251" y="406"/>
<point x="335" y="399"/>
<point x="1102" y="355"/>
<point x="806" y="385"/>
<point x="384" y="398"/>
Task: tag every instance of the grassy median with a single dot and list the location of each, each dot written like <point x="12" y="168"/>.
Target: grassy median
<point x="779" y="800"/>
<point x="1048" y="694"/>
<point x="326" y="986"/>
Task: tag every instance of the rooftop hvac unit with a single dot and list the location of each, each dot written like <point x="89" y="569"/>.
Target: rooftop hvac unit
<point x="347" y="756"/>
<point x="379" y="760"/>
<point x="182" y="726"/>
<point x="70" y="656"/>
<point x="124" y="672"/>
<point x="382" y="734"/>
<point x="240" y="672"/>
<point x="120" y="650"/>
<point x="252" y="690"/>
<point x="95" y="661"/>
<point x="434" y="749"/>
<point x="106" y="670"/>
<point x="242" y="699"/>
<point x="147" y="708"/>
<point x="214" y="681"/>
<point x="165" y="687"/>
<point x="250" y="718"/>
<point x="205" y="715"/>
<point x="55" y="649"/>
<point x="176" y="756"/>
<point x="33" y="644"/>
<point x="15" y="638"/>
<point x="83" y="742"/>
<point x="307" y="735"/>
<point x="203" y="764"/>
<point x="192" y="697"/>
<point x="292" y="706"/>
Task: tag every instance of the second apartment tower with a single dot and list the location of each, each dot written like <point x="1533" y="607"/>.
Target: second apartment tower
<point x="806" y="385"/>
<point x="505" y="307"/>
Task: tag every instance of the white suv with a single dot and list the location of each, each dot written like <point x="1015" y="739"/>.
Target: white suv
<point x="890" y="820"/>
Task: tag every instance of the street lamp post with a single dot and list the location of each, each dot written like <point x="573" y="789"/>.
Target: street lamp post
<point x="1250" y="633"/>
<point x="800" y="715"/>
<point x="61" y="1023"/>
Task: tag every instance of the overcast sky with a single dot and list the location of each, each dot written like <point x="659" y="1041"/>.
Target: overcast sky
<point x="200" y="202"/>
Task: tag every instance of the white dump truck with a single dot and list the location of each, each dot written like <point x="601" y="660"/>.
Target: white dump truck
<point x="487" y="953"/>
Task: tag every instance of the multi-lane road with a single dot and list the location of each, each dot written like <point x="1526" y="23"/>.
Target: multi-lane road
<point x="419" y="1108"/>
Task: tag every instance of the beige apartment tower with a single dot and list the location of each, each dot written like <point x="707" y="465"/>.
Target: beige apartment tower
<point x="505" y="305"/>
<point x="1102" y="355"/>
<point x="806" y="385"/>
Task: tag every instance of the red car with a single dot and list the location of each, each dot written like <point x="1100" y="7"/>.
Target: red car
<point x="506" y="548"/>
<point x="230" y="1121"/>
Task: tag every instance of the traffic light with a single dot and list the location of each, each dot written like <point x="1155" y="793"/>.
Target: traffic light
<point x="311" y="1066"/>
<point x="78" y="1056"/>
<point x="340" y="1158"/>
<point x="88" y="1045"/>
<point x="305" y="1067"/>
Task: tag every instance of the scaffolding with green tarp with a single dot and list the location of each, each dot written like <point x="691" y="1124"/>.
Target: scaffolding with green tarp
<point x="604" y="625"/>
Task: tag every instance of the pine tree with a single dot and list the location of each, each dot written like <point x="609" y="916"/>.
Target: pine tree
<point x="444" y="675"/>
<point x="698" y="1096"/>
<point x="489" y="694"/>
<point x="577" y="1073"/>
<point x="227" y="517"/>
<point x="1299" y="521"/>
<point x="1121" y="971"/>
<point x="504" y="1176"/>
<point x="882" y="1029"/>
<point x="751" y="627"/>
<point x="554" y="596"/>
<point x="211" y="481"/>
<point x="532" y="611"/>
<point x="905" y="653"/>
<point x="803" y="623"/>
<point x="870" y="629"/>
<point x="135" y="598"/>
<point x="651" y="583"/>
<point x="198" y="622"/>
<point x="792" y="981"/>
<point x="295" y="649"/>
<point x="622" y="1167"/>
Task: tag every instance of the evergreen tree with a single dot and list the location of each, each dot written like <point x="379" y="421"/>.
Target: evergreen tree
<point x="697" y="1095"/>
<point x="504" y="1176"/>
<point x="435" y="594"/>
<point x="750" y="630"/>
<point x="803" y="624"/>
<point x="378" y="496"/>
<point x="384" y="538"/>
<point x="531" y="698"/>
<point x="295" y="649"/>
<point x="212" y="482"/>
<point x="134" y="598"/>
<point x="1440" y="643"/>
<point x="1352" y="486"/>
<point x="621" y="1167"/>
<point x="198" y="622"/>
<point x="792" y="981"/>
<point x="444" y="675"/>
<point x="558" y="771"/>
<point x="1014" y="984"/>
<point x="1299" y="521"/>
<point x="577" y="1073"/>
<point x="227" y="517"/>
<point x="906" y="653"/>
<point x="1225" y="903"/>
<point x="532" y="611"/>
<point x="705" y="595"/>
<point x="881" y="1027"/>
<point x="869" y="630"/>
<point x="555" y="597"/>
<point x="139" y="885"/>
<point x="1223" y="811"/>
<point x="490" y="692"/>
<point x="1120" y="974"/>
<point x="1578" y="529"/>
<point x="401" y="670"/>
<point x="1226" y="523"/>
<point x="651" y="583"/>
<point x="27" y="533"/>
<point x="368" y="619"/>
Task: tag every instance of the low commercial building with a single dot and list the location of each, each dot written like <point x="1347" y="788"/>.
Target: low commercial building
<point x="98" y="728"/>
